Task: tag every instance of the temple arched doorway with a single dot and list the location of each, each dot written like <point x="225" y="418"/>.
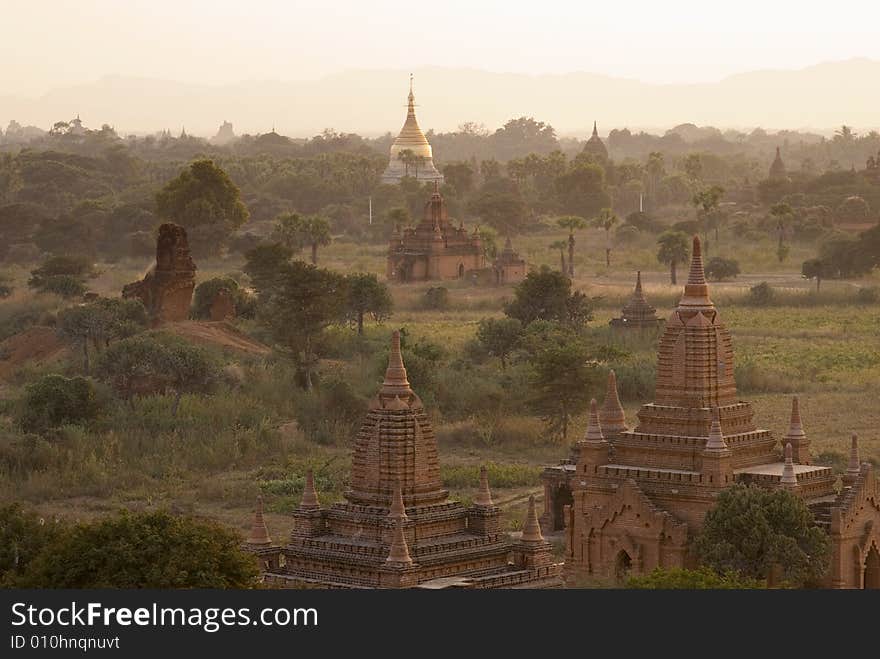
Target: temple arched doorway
<point x="622" y="566"/>
<point x="460" y="270"/>
<point x="872" y="570"/>
<point x="561" y="498"/>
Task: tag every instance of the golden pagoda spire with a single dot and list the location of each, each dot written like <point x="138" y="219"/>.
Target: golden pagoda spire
<point x="396" y="383"/>
<point x="532" y="528"/>
<point x="259" y="533"/>
<point x="310" y="494"/>
<point x="411" y="100"/>
<point x="484" y="496"/>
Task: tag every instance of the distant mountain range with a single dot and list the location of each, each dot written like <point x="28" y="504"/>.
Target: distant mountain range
<point x="817" y="98"/>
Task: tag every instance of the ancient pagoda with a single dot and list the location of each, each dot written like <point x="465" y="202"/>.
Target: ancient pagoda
<point x="411" y="154"/>
<point x="777" y="168"/>
<point x="637" y="314"/>
<point x="397" y="527"/>
<point x="435" y="248"/>
<point x="595" y="146"/>
<point x="639" y="495"/>
<point x="508" y="266"/>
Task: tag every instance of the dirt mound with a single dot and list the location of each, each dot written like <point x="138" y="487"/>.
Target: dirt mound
<point x="220" y="334"/>
<point x="35" y="346"/>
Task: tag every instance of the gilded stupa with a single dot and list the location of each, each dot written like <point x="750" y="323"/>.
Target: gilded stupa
<point x="411" y="154"/>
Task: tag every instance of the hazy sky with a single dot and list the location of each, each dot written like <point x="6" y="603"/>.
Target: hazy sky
<point x="48" y="43"/>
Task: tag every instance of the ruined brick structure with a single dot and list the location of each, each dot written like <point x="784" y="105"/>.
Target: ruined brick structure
<point x="397" y="527"/>
<point x="637" y="315"/>
<point x="639" y="494"/>
<point x="434" y="249"/>
<point x="167" y="288"/>
<point x="508" y="266"/>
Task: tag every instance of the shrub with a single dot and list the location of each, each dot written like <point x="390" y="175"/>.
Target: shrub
<point x="204" y="295"/>
<point x="868" y="295"/>
<point x="55" y="400"/>
<point x="719" y="269"/>
<point x="761" y="295"/>
<point x="436" y="298"/>
<point x="67" y="286"/>
<point x="62" y="275"/>
<point x="23" y="535"/>
<point x="700" y="579"/>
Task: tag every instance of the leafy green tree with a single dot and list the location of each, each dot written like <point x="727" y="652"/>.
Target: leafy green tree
<point x="399" y="217"/>
<point x="581" y="190"/>
<point x="295" y="232"/>
<point x="815" y="269"/>
<point x="783" y="214"/>
<point x="408" y="158"/>
<point x="500" y="207"/>
<point x="296" y="304"/>
<point x="572" y="223"/>
<point x="143" y="550"/>
<point x="489" y="238"/>
<point x="365" y="294"/>
<point x="707" y="203"/>
<point x="204" y="200"/>
<point x="546" y="295"/>
<point x="459" y="175"/>
<point x="750" y="530"/>
<point x="316" y="233"/>
<point x="23" y="535"/>
<point x="719" y="269"/>
<point x="55" y="400"/>
<point x="606" y="220"/>
<point x="99" y="322"/>
<point x="762" y="295"/>
<point x="673" y="250"/>
<point x="206" y="292"/>
<point x="265" y="262"/>
<point x="62" y="275"/>
<point x="702" y="578"/>
<point x="500" y="337"/>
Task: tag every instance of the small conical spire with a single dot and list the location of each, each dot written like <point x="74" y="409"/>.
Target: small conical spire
<point x="259" y="533"/>
<point x="716" y="438"/>
<point x="638" y="290"/>
<point x="310" y="494"/>
<point x="612" y="418"/>
<point x="594" y="427"/>
<point x="411" y="99"/>
<point x="795" y="428"/>
<point x="532" y="528"/>
<point x="788" y="477"/>
<point x="696" y="290"/>
<point x="396" y="383"/>
<point x="595" y="129"/>
<point x="484" y="496"/>
<point x="397" y="510"/>
<point x="855" y="465"/>
<point x="778" y="155"/>
<point x="399" y="553"/>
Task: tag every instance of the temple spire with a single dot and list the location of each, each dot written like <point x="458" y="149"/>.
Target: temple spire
<point x="484" y="496"/>
<point x="259" y="533"/>
<point x="532" y="528"/>
<point x="595" y="129"/>
<point x="789" y="479"/>
<point x="398" y="510"/>
<point x="310" y="494"/>
<point x="638" y="290"/>
<point x="612" y="418"/>
<point x="399" y="552"/>
<point x="396" y="383"/>
<point x="594" y="427"/>
<point x="411" y="99"/>
<point x="854" y="468"/>
<point x="796" y="435"/>
<point x="715" y="443"/>
<point x="696" y="290"/>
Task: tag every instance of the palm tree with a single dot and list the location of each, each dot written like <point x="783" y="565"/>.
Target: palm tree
<point x="316" y="233"/>
<point x="606" y="220"/>
<point x="673" y="250"/>
<point x="707" y="203"/>
<point x="407" y="157"/>
<point x="560" y="245"/>
<point x="571" y="222"/>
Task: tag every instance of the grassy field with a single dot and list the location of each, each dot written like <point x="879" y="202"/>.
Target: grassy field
<point x="226" y="449"/>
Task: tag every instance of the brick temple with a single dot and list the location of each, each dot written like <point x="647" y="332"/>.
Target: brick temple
<point x="397" y="527"/>
<point x="434" y="248"/>
<point x="637" y="315"/>
<point x="637" y="496"/>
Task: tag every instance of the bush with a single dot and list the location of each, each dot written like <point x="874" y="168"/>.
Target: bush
<point x="500" y="476"/>
<point x="868" y="295"/>
<point x="67" y="286"/>
<point x="143" y="550"/>
<point x="62" y="275"/>
<point x="55" y="400"/>
<point x="23" y="535"/>
<point x="761" y="295"/>
<point x="203" y="298"/>
<point x="436" y="298"/>
<point x="700" y="579"/>
<point x="719" y="269"/>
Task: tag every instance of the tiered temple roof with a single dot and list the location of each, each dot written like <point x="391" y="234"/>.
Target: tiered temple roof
<point x="397" y="527"/>
<point x="595" y="145"/>
<point x="777" y="168"/>
<point x="637" y="313"/>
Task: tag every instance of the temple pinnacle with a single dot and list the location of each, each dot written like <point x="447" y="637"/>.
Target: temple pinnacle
<point x="788" y="476"/>
<point x="397" y="510"/>
<point x="696" y="290"/>
<point x="396" y="383"/>
<point x="612" y="418"/>
<point x="399" y="553"/>
<point x="854" y="468"/>
<point x="259" y="533"/>
<point x="310" y="494"/>
<point x="716" y="438"/>
<point x="594" y="427"/>
<point x="532" y="528"/>
<point x="484" y="496"/>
